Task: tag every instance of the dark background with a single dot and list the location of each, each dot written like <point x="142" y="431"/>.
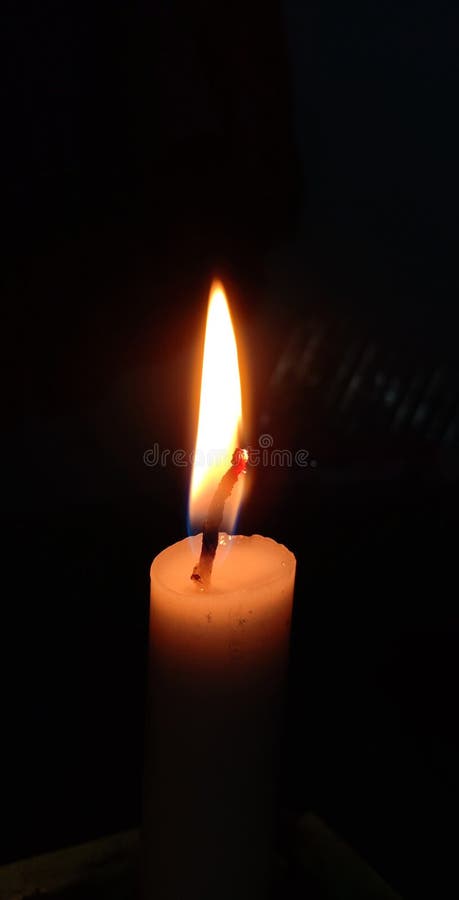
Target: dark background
<point x="306" y="153"/>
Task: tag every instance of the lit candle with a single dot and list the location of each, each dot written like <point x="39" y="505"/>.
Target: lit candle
<point x="218" y="653"/>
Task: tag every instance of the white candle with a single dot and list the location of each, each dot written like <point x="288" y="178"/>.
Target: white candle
<point x="217" y="661"/>
<point x="218" y="652"/>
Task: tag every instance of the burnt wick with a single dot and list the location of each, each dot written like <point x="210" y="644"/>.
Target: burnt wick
<point x="203" y="569"/>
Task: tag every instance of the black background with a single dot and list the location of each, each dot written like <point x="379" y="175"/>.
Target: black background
<point x="307" y="154"/>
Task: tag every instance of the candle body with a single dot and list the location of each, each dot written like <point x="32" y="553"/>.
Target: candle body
<point x="217" y="663"/>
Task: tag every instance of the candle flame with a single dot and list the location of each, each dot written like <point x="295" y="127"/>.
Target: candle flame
<point x="220" y="413"/>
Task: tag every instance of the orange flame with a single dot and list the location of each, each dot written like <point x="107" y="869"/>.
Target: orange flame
<point x="220" y="413"/>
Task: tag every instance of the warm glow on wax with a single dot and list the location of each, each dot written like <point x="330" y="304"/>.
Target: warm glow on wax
<point x="220" y="411"/>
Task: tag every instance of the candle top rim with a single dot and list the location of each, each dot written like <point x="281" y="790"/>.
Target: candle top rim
<point x="286" y="566"/>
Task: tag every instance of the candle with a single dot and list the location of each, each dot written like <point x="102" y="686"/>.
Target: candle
<point x="218" y="652"/>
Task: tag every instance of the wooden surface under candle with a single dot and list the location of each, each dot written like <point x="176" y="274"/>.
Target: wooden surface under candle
<point x="318" y="865"/>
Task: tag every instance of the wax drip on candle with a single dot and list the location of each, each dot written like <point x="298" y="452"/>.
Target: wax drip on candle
<point x="203" y="569"/>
